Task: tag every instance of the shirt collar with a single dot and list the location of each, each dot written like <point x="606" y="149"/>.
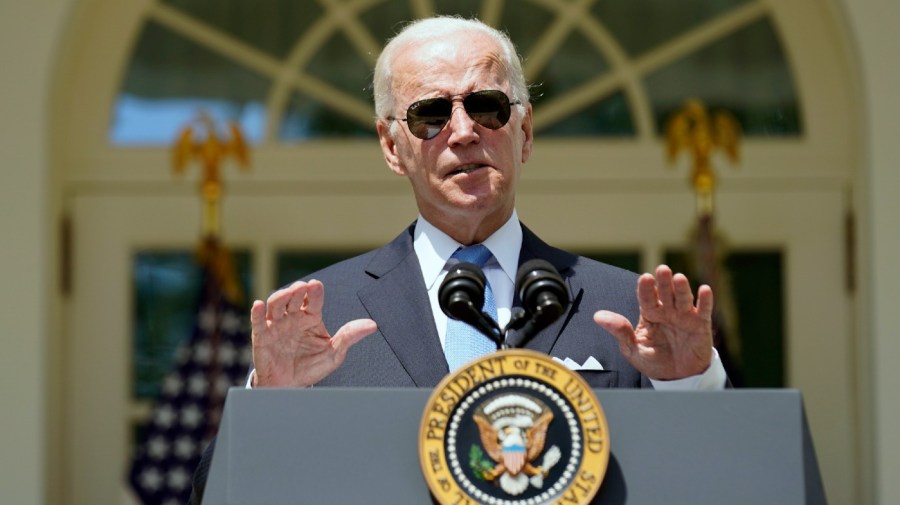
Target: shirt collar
<point x="434" y="247"/>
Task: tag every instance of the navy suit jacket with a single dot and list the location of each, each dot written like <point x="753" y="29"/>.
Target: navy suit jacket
<point x="386" y="285"/>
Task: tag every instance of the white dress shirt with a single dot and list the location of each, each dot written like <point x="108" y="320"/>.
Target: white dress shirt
<point x="434" y="247"/>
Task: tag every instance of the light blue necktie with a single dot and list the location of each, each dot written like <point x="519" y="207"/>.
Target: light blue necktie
<point x="463" y="343"/>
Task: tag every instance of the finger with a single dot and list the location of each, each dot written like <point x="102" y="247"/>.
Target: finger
<point x="705" y="302"/>
<point x="351" y="333"/>
<point x="276" y="304"/>
<point x="315" y="298"/>
<point x="297" y="292"/>
<point x="258" y="318"/>
<point x="684" y="298"/>
<point x="664" y="285"/>
<point x="647" y="294"/>
<point x="619" y="327"/>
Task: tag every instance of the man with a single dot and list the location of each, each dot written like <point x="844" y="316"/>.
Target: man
<point x="453" y="117"/>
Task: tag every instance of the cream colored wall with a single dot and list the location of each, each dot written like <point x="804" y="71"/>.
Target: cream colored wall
<point x="30" y="33"/>
<point x="874" y="25"/>
<point x="29" y="36"/>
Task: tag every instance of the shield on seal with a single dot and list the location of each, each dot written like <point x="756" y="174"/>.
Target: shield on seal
<point x="514" y="458"/>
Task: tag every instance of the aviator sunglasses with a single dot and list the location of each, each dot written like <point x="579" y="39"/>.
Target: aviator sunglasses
<point x="489" y="108"/>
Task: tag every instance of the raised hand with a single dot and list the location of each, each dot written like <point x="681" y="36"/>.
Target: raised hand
<point x="673" y="338"/>
<point x="291" y="347"/>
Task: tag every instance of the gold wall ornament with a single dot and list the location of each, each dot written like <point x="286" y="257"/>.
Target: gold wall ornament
<point x="200" y="140"/>
<point x="693" y="129"/>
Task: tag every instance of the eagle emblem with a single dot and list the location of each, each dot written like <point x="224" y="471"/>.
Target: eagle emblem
<point x="513" y="432"/>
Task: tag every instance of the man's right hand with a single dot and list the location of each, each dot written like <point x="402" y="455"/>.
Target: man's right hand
<point x="291" y="347"/>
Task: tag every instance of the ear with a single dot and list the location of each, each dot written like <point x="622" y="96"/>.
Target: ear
<point x="528" y="133"/>
<point x="389" y="147"/>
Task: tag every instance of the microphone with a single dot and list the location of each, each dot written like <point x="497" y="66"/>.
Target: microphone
<point x="461" y="297"/>
<point x="544" y="296"/>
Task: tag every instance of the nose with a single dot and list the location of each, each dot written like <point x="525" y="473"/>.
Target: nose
<point x="462" y="127"/>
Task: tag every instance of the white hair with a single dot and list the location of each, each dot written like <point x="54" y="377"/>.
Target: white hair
<point x="442" y="26"/>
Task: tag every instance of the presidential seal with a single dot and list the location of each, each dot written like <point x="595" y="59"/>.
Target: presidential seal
<point x="513" y="428"/>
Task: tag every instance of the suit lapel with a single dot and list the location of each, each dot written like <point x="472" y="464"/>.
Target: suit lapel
<point x="535" y="248"/>
<point x="398" y="301"/>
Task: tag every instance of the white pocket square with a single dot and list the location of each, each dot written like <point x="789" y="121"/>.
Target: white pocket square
<point x="589" y="364"/>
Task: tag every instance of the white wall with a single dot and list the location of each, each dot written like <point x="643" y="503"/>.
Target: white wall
<point x="874" y="25"/>
<point x="29" y="32"/>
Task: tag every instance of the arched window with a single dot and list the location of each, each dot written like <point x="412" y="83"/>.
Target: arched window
<point x="291" y="71"/>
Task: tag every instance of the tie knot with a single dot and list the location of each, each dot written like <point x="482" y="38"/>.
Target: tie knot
<point x="477" y="254"/>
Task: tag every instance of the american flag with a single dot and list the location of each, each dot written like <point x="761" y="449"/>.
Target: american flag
<point x="187" y="413"/>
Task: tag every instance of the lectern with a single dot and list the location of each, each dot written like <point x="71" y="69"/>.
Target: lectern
<point x="359" y="446"/>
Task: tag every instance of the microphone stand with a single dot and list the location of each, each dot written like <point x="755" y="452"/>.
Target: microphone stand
<point x="519" y="320"/>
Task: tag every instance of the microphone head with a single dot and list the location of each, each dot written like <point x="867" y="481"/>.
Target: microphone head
<point x="541" y="289"/>
<point x="461" y="291"/>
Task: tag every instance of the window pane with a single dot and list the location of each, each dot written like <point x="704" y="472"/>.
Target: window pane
<point x="608" y="117"/>
<point x="338" y="62"/>
<point x="170" y="79"/>
<point x="307" y="118"/>
<point x="641" y="25"/>
<point x="385" y="19"/>
<point x="524" y="23"/>
<point x="273" y="26"/>
<point x="167" y="288"/>
<point x="745" y="73"/>
<point x="577" y="62"/>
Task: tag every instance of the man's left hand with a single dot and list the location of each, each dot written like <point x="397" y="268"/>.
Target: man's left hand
<point x="673" y="338"/>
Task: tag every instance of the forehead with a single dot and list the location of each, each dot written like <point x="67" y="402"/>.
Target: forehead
<point x="451" y="64"/>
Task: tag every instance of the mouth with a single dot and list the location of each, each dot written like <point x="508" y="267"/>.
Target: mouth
<point x="466" y="169"/>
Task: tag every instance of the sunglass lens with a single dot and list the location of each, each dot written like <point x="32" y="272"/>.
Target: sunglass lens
<point x="488" y="108"/>
<point x="427" y="118"/>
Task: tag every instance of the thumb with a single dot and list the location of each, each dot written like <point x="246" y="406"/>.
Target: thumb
<point x="618" y="326"/>
<point x="351" y="333"/>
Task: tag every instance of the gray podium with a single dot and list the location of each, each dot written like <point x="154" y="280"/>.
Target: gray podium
<point x="359" y="446"/>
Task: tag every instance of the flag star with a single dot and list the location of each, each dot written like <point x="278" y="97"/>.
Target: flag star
<point x="231" y="323"/>
<point x="197" y="384"/>
<point x="191" y="416"/>
<point x="172" y="385"/>
<point x="222" y="384"/>
<point x="206" y="319"/>
<point x="185" y="447"/>
<point x="202" y="353"/>
<point x="227" y="354"/>
<point x="151" y="479"/>
<point x="179" y="479"/>
<point x="158" y="447"/>
<point x="165" y="416"/>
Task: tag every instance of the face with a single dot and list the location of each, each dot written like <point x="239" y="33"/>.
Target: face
<point x="464" y="178"/>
